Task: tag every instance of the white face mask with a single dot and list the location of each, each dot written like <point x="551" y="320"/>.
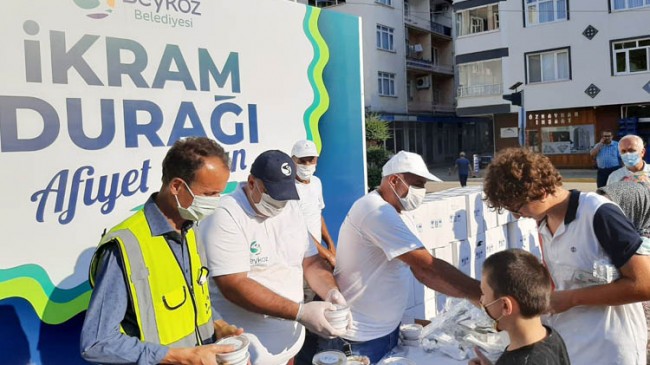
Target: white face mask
<point x="201" y="207"/>
<point x="413" y="198"/>
<point x="305" y="172"/>
<point x="268" y="206"/>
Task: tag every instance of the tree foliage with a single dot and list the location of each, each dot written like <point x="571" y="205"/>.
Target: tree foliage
<point x="377" y="132"/>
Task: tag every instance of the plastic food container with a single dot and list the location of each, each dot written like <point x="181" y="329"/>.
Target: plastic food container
<point x="410" y="331"/>
<point x="331" y="357"/>
<point x="358" y="360"/>
<point x="239" y="355"/>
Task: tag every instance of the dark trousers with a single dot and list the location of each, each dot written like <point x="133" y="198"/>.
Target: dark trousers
<point x="463" y="179"/>
<point x="603" y="174"/>
<point x="374" y="349"/>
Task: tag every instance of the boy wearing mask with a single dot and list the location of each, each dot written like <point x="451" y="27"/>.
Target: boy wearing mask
<point x="516" y="290"/>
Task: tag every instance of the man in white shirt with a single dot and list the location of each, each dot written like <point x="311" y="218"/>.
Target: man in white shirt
<point x="305" y="155"/>
<point x="377" y="246"/>
<point x="257" y="254"/>
<point x="632" y="153"/>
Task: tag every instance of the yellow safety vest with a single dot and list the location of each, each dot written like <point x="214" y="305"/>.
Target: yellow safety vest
<point x="168" y="310"/>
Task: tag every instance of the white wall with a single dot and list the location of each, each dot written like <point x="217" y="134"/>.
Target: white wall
<point x="590" y="59"/>
<point x="375" y="60"/>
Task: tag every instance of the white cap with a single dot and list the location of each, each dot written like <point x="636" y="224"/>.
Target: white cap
<point x="304" y="148"/>
<point x="407" y="162"/>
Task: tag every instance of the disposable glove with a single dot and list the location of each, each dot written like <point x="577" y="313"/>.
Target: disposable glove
<point x="312" y="316"/>
<point x="334" y="296"/>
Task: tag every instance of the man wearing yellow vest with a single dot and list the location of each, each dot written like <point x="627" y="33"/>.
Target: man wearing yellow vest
<point x="150" y="302"/>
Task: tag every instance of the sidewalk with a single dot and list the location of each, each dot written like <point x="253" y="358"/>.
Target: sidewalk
<point x="581" y="179"/>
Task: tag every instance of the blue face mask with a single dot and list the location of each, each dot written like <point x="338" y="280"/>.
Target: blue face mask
<point x="631" y="159"/>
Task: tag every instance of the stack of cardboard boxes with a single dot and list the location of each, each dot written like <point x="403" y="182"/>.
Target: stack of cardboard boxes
<point x="457" y="226"/>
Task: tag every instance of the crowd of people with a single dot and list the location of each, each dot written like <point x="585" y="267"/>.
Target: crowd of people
<point x="194" y="266"/>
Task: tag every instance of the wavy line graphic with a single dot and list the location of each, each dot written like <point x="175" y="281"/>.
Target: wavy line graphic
<point x="52" y="305"/>
<point x="315" y="74"/>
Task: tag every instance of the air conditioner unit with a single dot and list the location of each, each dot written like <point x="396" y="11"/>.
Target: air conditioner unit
<point x="422" y="82"/>
<point x="418" y="47"/>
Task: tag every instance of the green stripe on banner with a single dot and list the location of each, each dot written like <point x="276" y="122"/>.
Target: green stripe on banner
<point x="315" y="75"/>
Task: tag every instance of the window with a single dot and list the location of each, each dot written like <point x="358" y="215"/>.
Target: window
<point x="548" y="66"/>
<point x="477" y="20"/>
<point x="545" y="11"/>
<point x="384" y="37"/>
<point x="386" y="83"/>
<point x="480" y="78"/>
<point x="629" y="4"/>
<point x="385" y="2"/>
<point x="631" y="56"/>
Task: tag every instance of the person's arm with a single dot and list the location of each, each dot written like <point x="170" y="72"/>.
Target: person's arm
<point x="620" y="241"/>
<point x="255" y="297"/>
<point x="200" y="355"/>
<point x="101" y="339"/>
<point x="594" y="151"/>
<point x="318" y="275"/>
<point x="632" y="286"/>
<point x="326" y="254"/>
<point x="326" y="236"/>
<point x="441" y="276"/>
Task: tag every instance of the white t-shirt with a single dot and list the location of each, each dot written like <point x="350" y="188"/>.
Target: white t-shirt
<point x="623" y="172"/>
<point x="370" y="276"/>
<point x="271" y="251"/>
<point x="311" y="205"/>
<point x="594" y="334"/>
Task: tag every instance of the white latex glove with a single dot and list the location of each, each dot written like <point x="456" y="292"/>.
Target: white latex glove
<point x="334" y="296"/>
<point x="312" y="316"/>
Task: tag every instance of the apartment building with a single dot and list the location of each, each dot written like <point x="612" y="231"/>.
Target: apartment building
<point x="582" y="66"/>
<point x="408" y="57"/>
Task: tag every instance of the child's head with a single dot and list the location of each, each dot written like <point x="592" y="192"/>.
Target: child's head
<point x="517" y="176"/>
<point x="520" y="276"/>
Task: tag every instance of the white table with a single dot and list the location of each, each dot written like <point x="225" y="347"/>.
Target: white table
<point x="422" y="357"/>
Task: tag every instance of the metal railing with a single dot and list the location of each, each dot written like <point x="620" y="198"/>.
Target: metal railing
<point x="480" y="90"/>
<point x="427" y="65"/>
<point x="428" y="25"/>
<point x="430" y="107"/>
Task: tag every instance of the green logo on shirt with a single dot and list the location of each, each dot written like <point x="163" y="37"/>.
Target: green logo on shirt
<point x="255" y="248"/>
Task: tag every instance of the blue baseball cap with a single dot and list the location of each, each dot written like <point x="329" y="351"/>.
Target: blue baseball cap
<point x="278" y="172"/>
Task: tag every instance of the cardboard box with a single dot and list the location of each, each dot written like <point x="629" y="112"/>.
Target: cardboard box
<point x="523" y="234"/>
<point x="496" y="240"/>
<point x="463" y="257"/>
<point x="479" y="244"/>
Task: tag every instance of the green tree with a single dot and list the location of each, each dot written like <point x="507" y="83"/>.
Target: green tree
<point x="377" y="132"/>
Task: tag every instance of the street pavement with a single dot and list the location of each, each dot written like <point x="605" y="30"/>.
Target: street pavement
<point x="583" y="180"/>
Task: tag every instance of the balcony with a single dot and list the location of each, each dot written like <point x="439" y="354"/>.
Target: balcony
<point x="430" y="107"/>
<point x="480" y="90"/>
<point x="428" y="26"/>
<point x="418" y="64"/>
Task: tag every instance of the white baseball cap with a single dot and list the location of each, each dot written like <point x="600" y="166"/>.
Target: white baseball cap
<point x="407" y="162"/>
<point x="304" y="148"/>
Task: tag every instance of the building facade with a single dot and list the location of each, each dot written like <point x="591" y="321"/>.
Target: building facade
<point x="408" y="57"/>
<point x="582" y="67"/>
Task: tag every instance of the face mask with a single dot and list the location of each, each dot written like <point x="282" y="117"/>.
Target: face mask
<point x="495" y="321"/>
<point x="305" y="172"/>
<point x="631" y="159"/>
<point x="413" y="198"/>
<point x="268" y="206"/>
<point x="201" y="207"/>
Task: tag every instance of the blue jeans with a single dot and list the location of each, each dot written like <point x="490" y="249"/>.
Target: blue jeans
<point x="374" y="349"/>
